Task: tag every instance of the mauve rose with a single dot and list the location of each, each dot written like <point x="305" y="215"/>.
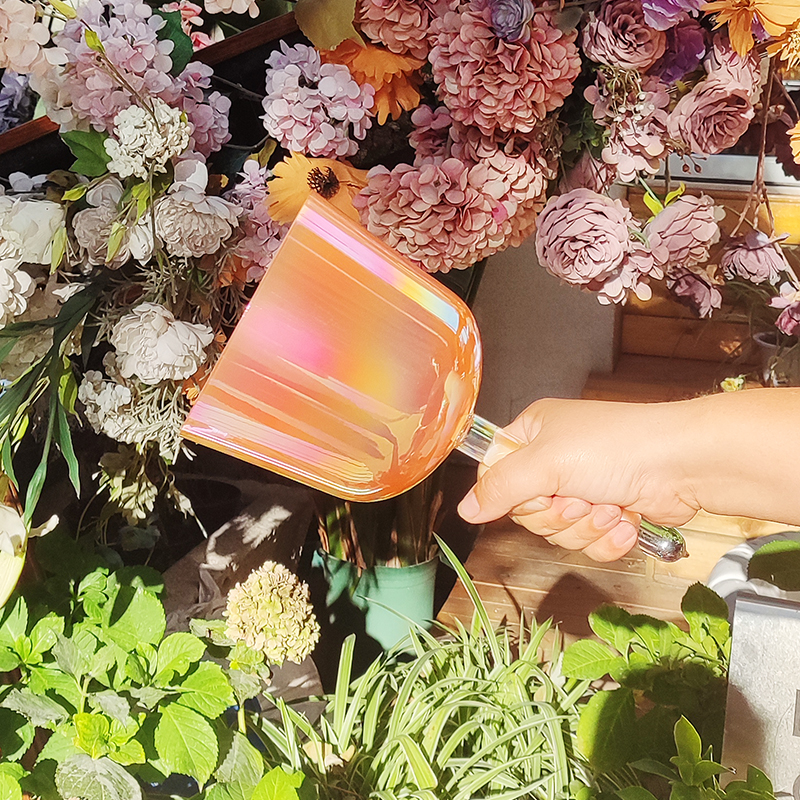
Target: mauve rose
<point x="724" y="64"/>
<point x="619" y="37"/>
<point x="691" y="290"/>
<point x="683" y="232"/>
<point x="510" y="19"/>
<point x="686" y="46"/>
<point x="712" y="117"/>
<point x="756" y="258"/>
<point x="789" y="320"/>
<point x="584" y="239"/>
<point x="663" y="14"/>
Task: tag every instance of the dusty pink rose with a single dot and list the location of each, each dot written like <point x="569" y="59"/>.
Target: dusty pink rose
<point x="619" y="37"/>
<point x="588" y="173"/>
<point x="498" y="85"/>
<point x="756" y="258"/>
<point x="683" y="232"/>
<point x="725" y="64"/>
<point x="584" y="239"/>
<point x="694" y="291"/>
<point x="713" y="116"/>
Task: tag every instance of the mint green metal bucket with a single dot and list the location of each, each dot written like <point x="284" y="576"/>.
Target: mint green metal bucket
<point x="369" y="601"/>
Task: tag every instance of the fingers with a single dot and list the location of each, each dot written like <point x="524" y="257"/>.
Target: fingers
<point x="602" y="532"/>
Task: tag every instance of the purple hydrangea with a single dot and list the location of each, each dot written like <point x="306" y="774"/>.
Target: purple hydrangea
<point x="510" y="19"/>
<point x="16" y="100"/>
<point x="686" y="48"/>
<point x="663" y="14"/>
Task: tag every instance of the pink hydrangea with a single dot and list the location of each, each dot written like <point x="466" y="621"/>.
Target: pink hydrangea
<point x="585" y="239"/>
<point x="21" y="38"/>
<point x="498" y="85"/>
<point x="401" y="25"/>
<point x="430" y="137"/>
<point x="314" y="108"/>
<point x="261" y="234"/>
<point x="438" y="215"/>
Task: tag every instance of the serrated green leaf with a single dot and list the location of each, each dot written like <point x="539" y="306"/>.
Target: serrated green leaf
<point x="51" y="680"/>
<point x="73" y="655"/>
<point x="95" y="779"/>
<point x="590" y="660"/>
<point x="41" y="711"/>
<point x="186" y="742"/>
<point x="206" y="690"/>
<point x="45" y="632"/>
<point x="59" y="747"/>
<point x="9" y="787"/>
<point x="327" y="23"/>
<point x="89" y="150"/>
<point x="606" y="729"/>
<point x="706" y="612"/>
<point x="91" y="734"/>
<point x="278" y="784"/>
<point x="172" y="30"/>
<point x="241" y="763"/>
<point x="689" y="746"/>
<point x="16" y="734"/>
<point x="8" y="660"/>
<point x="176" y="654"/>
<point x="112" y="704"/>
<point x="137" y="617"/>
<point x="613" y="625"/>
<point x="14" y="622"/>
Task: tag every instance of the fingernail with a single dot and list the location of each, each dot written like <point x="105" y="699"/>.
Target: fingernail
<point x="576" y="509"/>
<point x="623" y="534"/>
<point x="604" y="517"/>
<point x="469" y="507"/>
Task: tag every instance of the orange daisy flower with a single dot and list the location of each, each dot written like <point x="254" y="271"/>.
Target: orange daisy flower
<point x="794" y="139"/>
<point x="787" y="47"/>
<point x="297" y="176"/>
<point x="395" y="78"/>
<point x="775" y="15"/>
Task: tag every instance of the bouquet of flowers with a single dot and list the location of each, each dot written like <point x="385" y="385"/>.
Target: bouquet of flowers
<point x="122" y="277"/>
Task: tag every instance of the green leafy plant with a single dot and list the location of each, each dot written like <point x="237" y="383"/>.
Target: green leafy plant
<point x="665" y="675"/>
<point x="777" y="562"/>
<point x="100" y="704"/>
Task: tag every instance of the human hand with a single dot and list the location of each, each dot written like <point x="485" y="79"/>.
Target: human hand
<point x="586" y="473"/>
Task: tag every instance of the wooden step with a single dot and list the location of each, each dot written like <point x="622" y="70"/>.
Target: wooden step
<point x="654" y="379"/>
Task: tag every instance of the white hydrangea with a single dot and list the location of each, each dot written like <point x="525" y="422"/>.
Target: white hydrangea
<point x="154" y="346"/>
<point x="314" y="108"/>
<point x="144" y="140"/>
<point x="16" y="286"/>
<point x="189" y="222"/>
<point x="107" y="406"/>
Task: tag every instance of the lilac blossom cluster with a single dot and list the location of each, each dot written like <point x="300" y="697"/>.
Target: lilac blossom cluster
<point x="91" y="88"/>
<point x="314" y="108"/>
<point x="16" y="99"/>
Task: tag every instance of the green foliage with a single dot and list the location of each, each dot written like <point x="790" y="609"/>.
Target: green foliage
<point x="124" y="704"/>
<point x="779" y="563"/>
<point x="88" y="147"/>
<point x="672" y="684"/>
<point x="172" y="30"/>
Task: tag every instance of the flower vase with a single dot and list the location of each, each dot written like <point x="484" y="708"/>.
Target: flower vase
<point x="779" y="366"/>
<point x="382" y="602"/>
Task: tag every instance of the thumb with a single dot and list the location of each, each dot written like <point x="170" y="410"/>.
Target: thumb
<point x="507" y="484"/>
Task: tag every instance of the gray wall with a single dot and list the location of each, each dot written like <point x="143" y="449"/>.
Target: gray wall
<point x="541" y="338"/>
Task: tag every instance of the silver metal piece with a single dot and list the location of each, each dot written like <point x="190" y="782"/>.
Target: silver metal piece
<point x="657" y="541"/>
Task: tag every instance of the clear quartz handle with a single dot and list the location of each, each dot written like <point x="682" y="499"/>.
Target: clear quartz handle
<point x="487" y="443"/>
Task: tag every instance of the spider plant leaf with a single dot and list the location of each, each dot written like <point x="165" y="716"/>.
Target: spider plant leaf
<point x="342" y="688"/>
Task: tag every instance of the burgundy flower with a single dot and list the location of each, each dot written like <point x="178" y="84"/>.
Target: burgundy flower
<point x="619" y="36"/>
<point x="756" y="258"/>
<point x="686" y="47"/>
<point x="694" y="291"/>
